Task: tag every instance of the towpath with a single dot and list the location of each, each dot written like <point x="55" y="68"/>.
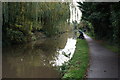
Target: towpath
<point x="103" y="63"/>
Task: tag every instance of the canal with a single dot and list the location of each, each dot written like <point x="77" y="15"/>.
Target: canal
<point x="38" y="59"/>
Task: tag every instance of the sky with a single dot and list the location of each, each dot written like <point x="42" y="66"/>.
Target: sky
<point x="75" y="13"/>
<point x="58" y="0"/>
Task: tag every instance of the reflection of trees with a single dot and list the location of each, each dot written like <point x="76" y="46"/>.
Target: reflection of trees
<point x="30" y="59"/>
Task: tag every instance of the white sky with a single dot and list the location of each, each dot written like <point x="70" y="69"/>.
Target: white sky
<point x="75" y="13"/>
<point x="57" y="0"/>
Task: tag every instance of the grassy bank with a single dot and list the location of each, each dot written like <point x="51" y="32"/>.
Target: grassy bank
<point x="107" y="44"/>
<point x="77" y="66"/>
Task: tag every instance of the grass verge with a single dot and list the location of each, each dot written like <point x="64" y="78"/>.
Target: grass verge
<point x="108" y="45"/>
<point x="77" y="66"/>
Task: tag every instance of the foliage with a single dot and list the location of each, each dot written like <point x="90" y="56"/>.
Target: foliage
<point x="105" y="18"/>
<point x="24" y="18"/>
<point x="15" y="36"/>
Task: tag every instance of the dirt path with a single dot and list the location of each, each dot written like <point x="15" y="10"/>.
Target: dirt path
<point x="103" y="63"/>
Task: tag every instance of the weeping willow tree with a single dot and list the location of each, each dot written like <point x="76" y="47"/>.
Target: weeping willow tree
<point x="22" y="19"/>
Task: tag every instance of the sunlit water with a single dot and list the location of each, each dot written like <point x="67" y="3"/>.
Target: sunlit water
<point x="66" y="53"/>
<point x="38" y="59"/>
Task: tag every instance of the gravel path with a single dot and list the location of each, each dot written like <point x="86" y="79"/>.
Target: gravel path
<point x="103" y="63"/>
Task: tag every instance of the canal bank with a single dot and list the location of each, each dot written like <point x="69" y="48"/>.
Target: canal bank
<point x="76" y="68"/>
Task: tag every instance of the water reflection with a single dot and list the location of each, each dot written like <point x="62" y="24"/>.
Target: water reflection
<point x="66" y="53"/>
<point x="38" y="59"/>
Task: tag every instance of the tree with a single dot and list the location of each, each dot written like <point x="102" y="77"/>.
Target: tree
<point x="22" y="19"/>
<point x="105" y="19"/>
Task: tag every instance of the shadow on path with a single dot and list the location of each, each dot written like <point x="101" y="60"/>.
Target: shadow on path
<point x="103" y="63"/>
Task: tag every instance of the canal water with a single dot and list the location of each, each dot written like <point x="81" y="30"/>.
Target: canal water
<point x="38" y="59"/>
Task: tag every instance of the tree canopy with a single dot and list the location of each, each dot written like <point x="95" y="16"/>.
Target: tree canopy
<point x="22" y="19"/>
<point x="105" y="19"/>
